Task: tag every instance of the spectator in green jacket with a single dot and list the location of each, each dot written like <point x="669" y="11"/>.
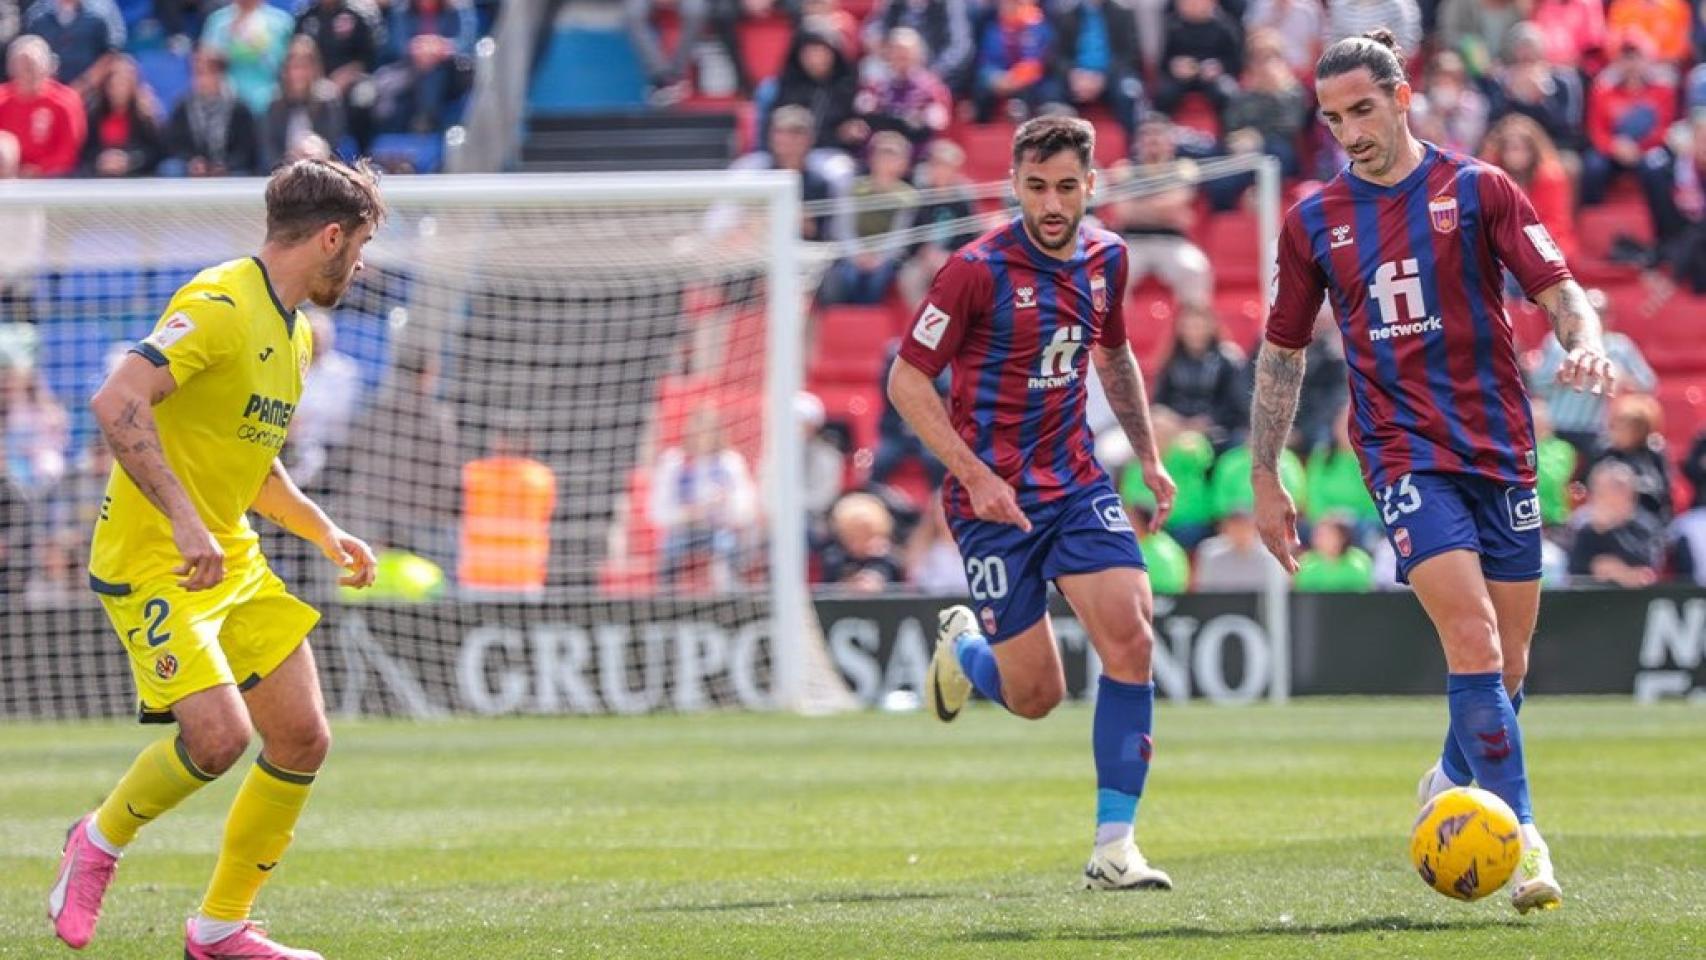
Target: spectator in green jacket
<point x="1333" y="563"/>
<point x="1169" y="564"/>
<point x="1230" y="481"/>
<point x="1188" y="457"/>
<point x="1555" y="467"/>
<point x="1335" y="481"/>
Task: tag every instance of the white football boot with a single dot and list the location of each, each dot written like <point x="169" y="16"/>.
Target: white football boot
<point x="947" y="684"/>
<point x="1534" y="887"/>
<point x="1119" y="865"/>
<point x="1434" y="782"/>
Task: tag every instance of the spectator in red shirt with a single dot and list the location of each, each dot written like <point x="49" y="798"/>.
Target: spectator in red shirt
<point x="45" y="115"/>
<point x="1521" y="147"/>
<point x="125" y="139"/>
<point x="1632" y="104"/>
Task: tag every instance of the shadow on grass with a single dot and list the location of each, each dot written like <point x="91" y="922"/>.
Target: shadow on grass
<point x="850" y="897"/>
<point x="1365" y="925"/>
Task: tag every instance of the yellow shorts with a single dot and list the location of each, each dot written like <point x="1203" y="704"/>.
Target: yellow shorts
<point x="182" y="643"/>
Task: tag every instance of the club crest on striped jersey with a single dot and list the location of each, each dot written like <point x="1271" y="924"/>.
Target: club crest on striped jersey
<point x="1442" y="211"/>
<point x="1098" y="294"/>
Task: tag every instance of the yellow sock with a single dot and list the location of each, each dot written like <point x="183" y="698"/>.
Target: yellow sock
<point x="259" y="827"/>
<point x="162" y="776"/>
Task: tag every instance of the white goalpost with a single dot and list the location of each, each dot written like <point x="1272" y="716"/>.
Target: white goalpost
<point x="588" y="323"/>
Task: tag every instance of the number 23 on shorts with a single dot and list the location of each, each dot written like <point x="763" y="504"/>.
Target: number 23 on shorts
<point x="1398" y="499"/>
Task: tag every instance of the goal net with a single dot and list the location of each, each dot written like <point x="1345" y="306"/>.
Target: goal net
<point x="561" y="407"/>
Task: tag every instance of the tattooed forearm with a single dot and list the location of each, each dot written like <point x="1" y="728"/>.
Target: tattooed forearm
<point x="1122" y="383"/>
<point x="128" y="423"/>
<point x="1574" y="319"/>
<point x="282" y="502"/>
<point x="1279" y="380"/>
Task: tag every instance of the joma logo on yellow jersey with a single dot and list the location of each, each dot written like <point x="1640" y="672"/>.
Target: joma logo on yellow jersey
<point x="269" y="411"/>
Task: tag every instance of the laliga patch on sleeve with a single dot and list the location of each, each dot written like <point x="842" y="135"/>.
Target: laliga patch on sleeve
<point x="1112" y="513"/>
<point x="1543" y="244"/>
<point x="932" y="323"/>
<point x="176" y="327"/>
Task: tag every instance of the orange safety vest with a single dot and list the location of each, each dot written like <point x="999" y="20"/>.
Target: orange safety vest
<point x="506" y="523"/>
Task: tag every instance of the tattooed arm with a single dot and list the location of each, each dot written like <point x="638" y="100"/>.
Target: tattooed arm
<point x="282" y="502"/>
<point x="913" y="393"/>
<point x="1279" y="380"/>
<point x="1577" y="326"/>
<point x="124" y="409"/>
<point x="1122" y="383"/>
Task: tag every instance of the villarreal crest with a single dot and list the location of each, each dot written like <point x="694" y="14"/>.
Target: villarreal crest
<point x="1443" y="212"/>
<point x="1098" y="293"/>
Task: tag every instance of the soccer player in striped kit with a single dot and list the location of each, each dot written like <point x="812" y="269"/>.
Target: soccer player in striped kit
<point x="1019" y="314"/>
<point x="1410" y="243"/>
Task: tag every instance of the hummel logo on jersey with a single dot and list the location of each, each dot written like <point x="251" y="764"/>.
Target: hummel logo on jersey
<point x="1057" y="368"/>
<point x="1342" y="236"/>
<point x="1397" y="288"/>
<point x="1025" y="297"/>
<point x="265" y="354"/>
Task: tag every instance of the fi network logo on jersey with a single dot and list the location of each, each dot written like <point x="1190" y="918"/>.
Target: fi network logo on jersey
<point x="1397" y="288"/>
<point x="1058" y="369"/>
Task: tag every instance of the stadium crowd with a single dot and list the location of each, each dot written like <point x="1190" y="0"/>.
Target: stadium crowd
<point x="1569" y="96"/>
<point x="135" y="88"/>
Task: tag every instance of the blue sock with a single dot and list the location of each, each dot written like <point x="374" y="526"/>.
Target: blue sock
<point x="977" y="659"/>
<point x="1125" y="714"/>
<point x="1484" y="723"/>
<point x="1451" y="759"/>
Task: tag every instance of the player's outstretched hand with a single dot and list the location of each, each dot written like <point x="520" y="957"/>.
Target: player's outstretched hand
<point x="1588" y="368"/>
<point x="353" y="555"/>
<point x="1160" y="483"/>
<point x="993" y="499"/>
<point x="1276" y="521"/>
<point x="204" y="558"/>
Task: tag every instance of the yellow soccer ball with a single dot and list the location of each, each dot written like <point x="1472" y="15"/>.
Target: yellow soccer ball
<point x="1466" y="843"/>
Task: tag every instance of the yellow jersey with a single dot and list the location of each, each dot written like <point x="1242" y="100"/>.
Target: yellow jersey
<point x="238" y="358"/>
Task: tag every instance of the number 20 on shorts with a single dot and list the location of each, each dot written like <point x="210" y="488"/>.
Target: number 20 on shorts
<point x="987" y="578"/>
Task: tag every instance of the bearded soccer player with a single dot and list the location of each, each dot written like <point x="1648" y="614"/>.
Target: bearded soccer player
<point x="1410" y="243"/>
<point x="1019" y="314"/>
<point x="196" y="414"/>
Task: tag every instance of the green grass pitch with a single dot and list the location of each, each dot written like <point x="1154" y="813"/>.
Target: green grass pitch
<point x="877" y="835"/>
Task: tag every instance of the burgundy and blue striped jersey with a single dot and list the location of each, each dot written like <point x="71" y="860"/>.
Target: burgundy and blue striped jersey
<point x="1016" y="325"/>
<point x="1415" y="273"/>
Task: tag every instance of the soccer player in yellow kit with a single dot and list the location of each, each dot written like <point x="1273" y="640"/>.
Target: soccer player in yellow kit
<point x="196" y="415"/>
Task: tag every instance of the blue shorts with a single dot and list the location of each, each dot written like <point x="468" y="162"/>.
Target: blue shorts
<point x="1430" y="513"/>
<point x="1009" y="570"/>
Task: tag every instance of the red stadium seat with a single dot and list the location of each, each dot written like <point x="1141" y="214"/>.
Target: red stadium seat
<point x="850" y="343"/>
<point x="988" y="148"/>
<point x="764" y="44"/>
<point x="1197" y="112"/>
<point x="1232" y="241"/>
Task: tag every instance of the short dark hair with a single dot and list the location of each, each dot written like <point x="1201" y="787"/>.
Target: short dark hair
<point x="305" y="196"/>
<point x="1376" y="51"/>
<point x="1046" y="136"/>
